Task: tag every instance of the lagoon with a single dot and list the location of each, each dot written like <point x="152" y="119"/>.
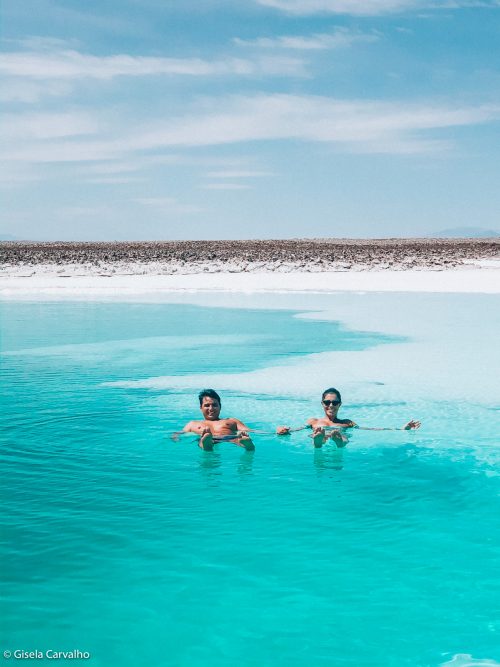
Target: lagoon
<point x="141" y="550"/>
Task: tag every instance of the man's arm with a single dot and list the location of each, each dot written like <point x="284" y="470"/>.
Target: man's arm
<point x="190" y="427"/>
<point x="242" y="427"/>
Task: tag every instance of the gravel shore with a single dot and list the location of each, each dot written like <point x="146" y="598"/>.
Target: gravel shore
<point x="284" y="256"/>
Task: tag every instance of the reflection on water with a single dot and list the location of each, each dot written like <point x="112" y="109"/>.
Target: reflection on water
<point x="328" y="459"/>
<point x="245" y="463"/>
<point x="210" y="463"/>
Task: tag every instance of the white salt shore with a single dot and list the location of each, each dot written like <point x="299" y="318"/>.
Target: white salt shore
<point x="481" y="277"/>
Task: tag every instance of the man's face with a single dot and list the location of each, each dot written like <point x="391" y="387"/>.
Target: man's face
<point x="331" y="405"/>
<point x="210" y="408"/>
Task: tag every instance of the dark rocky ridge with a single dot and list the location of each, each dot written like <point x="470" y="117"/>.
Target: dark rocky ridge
<point x="268" y="255"/>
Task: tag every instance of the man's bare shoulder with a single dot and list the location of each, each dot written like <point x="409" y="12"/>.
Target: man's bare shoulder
<point x="195" y="423"/>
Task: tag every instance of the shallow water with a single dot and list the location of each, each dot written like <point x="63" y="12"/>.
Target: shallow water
<point x="144" y="551"/>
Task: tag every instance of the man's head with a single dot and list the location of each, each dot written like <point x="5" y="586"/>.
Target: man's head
<point x="331" y="401"/>
<point x="210" y="404"/>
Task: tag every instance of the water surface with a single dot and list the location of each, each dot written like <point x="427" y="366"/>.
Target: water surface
<point x="118" y="541"/>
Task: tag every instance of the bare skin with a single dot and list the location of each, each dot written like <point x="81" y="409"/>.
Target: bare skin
<point x="213" y="429"/>
<point x="328" y="426"/>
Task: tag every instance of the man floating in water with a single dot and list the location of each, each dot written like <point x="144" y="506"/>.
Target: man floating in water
<point x="329" y="426"/>
<point x="213" y="429"/>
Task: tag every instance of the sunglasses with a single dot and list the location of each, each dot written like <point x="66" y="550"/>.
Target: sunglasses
<point x="328" y="403"/>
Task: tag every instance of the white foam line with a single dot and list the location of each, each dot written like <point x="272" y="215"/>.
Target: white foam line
<point x="464" y="280"/>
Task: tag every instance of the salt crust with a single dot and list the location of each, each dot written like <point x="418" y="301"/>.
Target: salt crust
<point x="64" y="282"/>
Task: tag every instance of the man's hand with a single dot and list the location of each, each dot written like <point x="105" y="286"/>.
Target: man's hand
<point x="283" y="430"/>
<point x="412" y="425"/>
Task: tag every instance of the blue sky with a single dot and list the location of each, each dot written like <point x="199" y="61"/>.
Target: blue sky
<point x="183" y="119"/>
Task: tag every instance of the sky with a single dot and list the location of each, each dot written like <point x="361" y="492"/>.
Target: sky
<point x="234" y="119"/>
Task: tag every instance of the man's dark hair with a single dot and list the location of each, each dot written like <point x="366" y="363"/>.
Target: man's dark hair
<point x="209" y="393"/>
<point x="331" y="390"/>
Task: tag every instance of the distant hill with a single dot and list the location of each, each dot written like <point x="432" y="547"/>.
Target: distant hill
<point x="466" y="233"/>
<point x="7" y="237"/>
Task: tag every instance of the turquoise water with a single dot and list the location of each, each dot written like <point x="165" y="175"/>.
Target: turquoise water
<point x="144" y="551"/>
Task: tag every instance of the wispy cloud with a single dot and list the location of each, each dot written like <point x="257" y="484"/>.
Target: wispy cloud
<point x="69" y="65"/>
<point x="115" y="180"/>
<point x="94" y="212"/>
<point x="48" y="125"/>
<point x="225" y="186"/>
<point x="123" y="167"/>
<point x="29" y="91"/>
<point x="340" y="38"/>
<point x="360" y="125"/>
<point x="369" y="7"/>
<point x="64" y="151"/>
<point x="237" y="174"/>
<point x="167" y="205"/>
<point x="44" y="43"/>
<point x="97" y="18"/>
<point x="310" y="118"/>
<point x="15" y="175"/>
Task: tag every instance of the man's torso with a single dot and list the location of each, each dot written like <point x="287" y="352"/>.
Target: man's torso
<point x="218" y="427"/>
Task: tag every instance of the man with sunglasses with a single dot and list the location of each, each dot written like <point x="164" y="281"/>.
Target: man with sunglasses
<point x="329" y="426"/>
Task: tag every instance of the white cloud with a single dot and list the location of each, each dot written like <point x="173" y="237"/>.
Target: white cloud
<point x="64" y="151"/>
<point x="167" y="205"/>
<point x="47" y="125"/>
<point x="38" y="43"/>
<point x="70" y="65"/>
<point x="225" y="186"/>
<point x="340" y="38"/>
<point x="94" y="212"/>
<point x="352" y="125"/>
<point x="116" y="168"/>
<point x="369" y="7"/>
<point x="12" y="176"/>
<point x="356" y="7"/>
<point x="274" y="117"/>
<point x="237" y="174"/>
<point x="115" y="180"/>
<point x="29" y="91"/>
